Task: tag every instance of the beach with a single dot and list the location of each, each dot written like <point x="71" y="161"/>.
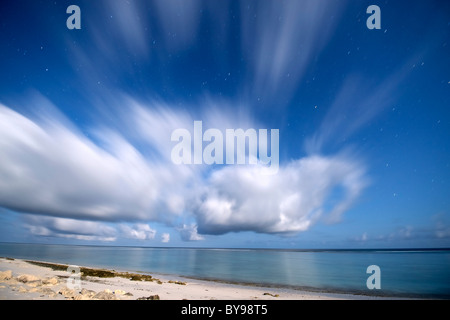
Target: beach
<point x="33" y="280"/>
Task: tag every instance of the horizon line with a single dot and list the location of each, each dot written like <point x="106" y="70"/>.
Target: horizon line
<point x="238" y="248"/>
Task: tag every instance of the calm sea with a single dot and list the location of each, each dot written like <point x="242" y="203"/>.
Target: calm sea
<point x="418" y="273"/>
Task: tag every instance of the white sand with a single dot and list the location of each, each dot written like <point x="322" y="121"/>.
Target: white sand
<point x="51" y="284"/>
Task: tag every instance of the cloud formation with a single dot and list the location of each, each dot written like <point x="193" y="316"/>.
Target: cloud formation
<point x="123" y="174"/>
<point x="165" y="237"/>
<point x="140" y="231"/>
<point x="188" y="232"/>
<point x="69" y="228"/>
<point x="87" y="230"/>
<point x="49" y="168"/>
<point x="437" y="228"/>
<point x="304" y="191"/>
<point x="52" y="169"/>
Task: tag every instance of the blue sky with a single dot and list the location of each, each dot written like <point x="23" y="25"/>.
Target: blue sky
<point x="86" y="118"/>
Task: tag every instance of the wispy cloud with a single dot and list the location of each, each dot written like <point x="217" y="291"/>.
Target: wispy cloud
<point x="129" y="20"/>
<point x="281" y="38"/>
<point x="359" y="101"/>
<point x="180" y="22"/>
<point x="437" y="230"/>
<point x="122" y="173"/>
<point x="50" y="169"/>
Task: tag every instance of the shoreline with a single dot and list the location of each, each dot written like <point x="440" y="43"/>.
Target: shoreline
<point x="22" y="279"/>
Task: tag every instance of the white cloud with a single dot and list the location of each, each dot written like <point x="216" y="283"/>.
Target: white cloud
<point x="165" y="237"/>
<point x="69" y="228"/>
<point x="189" y="232"/>
<point x="239" y="198"/>
<point x="86" y="230"/>
<point x="139" y="231"/>
<point x="441" y="227"/>
<point x="410" y="235"/>
<point x="48" y="167"/>
<point x="363" y="238"/>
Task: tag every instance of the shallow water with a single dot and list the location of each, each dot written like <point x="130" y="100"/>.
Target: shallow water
<point x="421" y="273"/>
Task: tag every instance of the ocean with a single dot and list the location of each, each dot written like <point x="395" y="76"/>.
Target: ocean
<point x="423" y="273"/>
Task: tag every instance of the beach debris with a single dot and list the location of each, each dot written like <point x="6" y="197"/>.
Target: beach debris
<point x="87" y="293"/>
<point x="34" y="284"/>
<point x="177" y="282"/>
<point x="22" y="290"/>
<point x="53" y="266"/>
<point x="66" y="292"/>
<point x="271" y="294"/>
<point x="153" y="297"/>
<point x="100" y="273"/>
<point x="119" y="292"/>
<point x="92" y="272"/>
<point x="105" y="295"/>
<point x="50" y="281"/>
<point x="81" y="297"/>
<point x="47" y="291"/>
<point x="140" y="277"/>
<point x="5" y="275"/>
<point x="27" y="278"/>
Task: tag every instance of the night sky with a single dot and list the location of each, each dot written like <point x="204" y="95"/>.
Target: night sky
<point x="86" y="117"/>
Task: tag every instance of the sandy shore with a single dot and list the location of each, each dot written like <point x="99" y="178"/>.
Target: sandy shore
<point x="25" y="280"/>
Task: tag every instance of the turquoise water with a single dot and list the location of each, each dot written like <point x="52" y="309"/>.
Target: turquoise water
<point x="421" y="273"/>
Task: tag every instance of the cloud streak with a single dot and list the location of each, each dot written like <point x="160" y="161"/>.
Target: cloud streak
<point x="359" y="101"/>
<point x="48" y="168"/>
<point x="281" y="38"/>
